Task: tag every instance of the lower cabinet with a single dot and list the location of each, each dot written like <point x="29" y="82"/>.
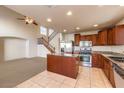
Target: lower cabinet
<point x="68" y="66"/>
<point x="105" y="64"/>
<point x="96" y="60"/>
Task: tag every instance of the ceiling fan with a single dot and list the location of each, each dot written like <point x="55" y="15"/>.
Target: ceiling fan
<point x="28" y="20"/>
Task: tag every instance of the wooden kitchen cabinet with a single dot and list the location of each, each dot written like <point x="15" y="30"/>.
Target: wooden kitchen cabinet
<point x="116" y="35"/>
<point x="65" y="65"/>
<point x="106" y="67"/>
<point x="96" y="60"/>
<point x="77" y="38"/>
<point x="110" y="38"/>
<point x="88" y="37"/>
<point x="83" y="38"/>
<point x="105" y="64"/>
<point x="94" y="39"/>
<point x="108" y="70"/>
<point x="102" y="37"/>
<point x="54" y="68"/>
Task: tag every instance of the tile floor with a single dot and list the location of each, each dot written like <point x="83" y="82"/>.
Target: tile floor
<point x="87" y="78"/>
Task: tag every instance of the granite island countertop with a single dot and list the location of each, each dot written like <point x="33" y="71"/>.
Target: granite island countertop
<point x="65" y="54"/>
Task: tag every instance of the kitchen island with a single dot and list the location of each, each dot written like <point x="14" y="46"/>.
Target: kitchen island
<point x="64" y="64"/>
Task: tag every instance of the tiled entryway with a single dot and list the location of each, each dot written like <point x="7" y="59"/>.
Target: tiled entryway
<point x="87" y="78"/>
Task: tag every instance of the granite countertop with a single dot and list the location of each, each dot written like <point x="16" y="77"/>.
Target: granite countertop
<point x="65" y="54"/>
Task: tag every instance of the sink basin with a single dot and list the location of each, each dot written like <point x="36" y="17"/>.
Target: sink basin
<point x="119" y="59"/>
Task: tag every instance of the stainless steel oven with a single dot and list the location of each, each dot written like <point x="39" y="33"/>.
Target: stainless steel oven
<point x="85" y="60"/>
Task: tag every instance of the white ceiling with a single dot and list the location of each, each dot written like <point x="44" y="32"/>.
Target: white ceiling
<point x="83" y="16"/>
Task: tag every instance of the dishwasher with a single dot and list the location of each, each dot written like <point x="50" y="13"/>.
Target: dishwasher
<point x="118" y="76"/>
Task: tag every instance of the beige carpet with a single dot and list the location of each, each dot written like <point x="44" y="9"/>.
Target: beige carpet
<point x="15" y="72"/>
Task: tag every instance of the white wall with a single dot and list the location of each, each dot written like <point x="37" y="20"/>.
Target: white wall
<point x="11" y="27"/>
<point x="42" y="51"/>
<point x="32" y="47"/>
<point x="68" y="37"/>
<point x="14" y="49"/>
<point x="89" y="32"/>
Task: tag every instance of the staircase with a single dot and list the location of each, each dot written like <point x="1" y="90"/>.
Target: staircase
<point x="43" y="41"/>
<point x="52" y="36"/>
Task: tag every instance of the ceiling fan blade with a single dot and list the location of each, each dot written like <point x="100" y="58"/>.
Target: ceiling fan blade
<point x="35" y="23"/>
<point x="20" y="18"/>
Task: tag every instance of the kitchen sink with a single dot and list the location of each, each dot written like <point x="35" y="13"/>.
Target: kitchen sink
<point x="119" y="59"/>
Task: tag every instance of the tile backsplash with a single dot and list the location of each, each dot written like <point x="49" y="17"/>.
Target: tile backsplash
<point x="117" y="49"/>
<point x="101" y="48"/>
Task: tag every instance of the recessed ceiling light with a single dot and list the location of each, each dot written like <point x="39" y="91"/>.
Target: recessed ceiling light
<point x="95" y="25"/>
<point x="64" y="30"/>
<point x="69" y="13"/>
<point x="49" y="20"/>
<point x="77" y="28"/>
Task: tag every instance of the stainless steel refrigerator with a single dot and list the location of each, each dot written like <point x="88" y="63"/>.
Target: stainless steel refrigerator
<point x="67" y="47"/>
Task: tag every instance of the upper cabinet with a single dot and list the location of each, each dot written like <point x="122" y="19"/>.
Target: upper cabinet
<point x="94" y="39"/>
<point x="116" y="35"/>
<point x="102" y="37"/>
<point x="77" y="38"/>
<point x="108" y="36"/>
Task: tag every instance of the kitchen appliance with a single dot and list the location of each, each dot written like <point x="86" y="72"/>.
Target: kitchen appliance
<point x="67" y="47"/>
<point x="118" y="76"/>
<point x="85" y="53"/>
<point x="85" y="44"/>
<point x="85" y="60"/>
<point x="76" y="49"/>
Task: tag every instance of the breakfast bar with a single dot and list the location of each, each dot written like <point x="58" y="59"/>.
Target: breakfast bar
<point x="64" y="64"/>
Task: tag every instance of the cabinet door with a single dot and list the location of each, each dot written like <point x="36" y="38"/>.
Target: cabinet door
<point x="68" y="63"/>
<point x="103" y="37"/>
<point x="77" y="39"/>
<point x="110" y="39"/>
<point x="106" y="68"/>
<point x="95" y="62"/>
<point x="83" y="37"/>
<point x="89" y="37"/>
<point x="100" y="59"/>
<point x="94" y="38"/>
<point x="54" y="63"/>
<point x="119" y="35"/>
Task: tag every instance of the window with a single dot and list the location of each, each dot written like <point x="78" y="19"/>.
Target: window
<point x="43" y="30"/>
